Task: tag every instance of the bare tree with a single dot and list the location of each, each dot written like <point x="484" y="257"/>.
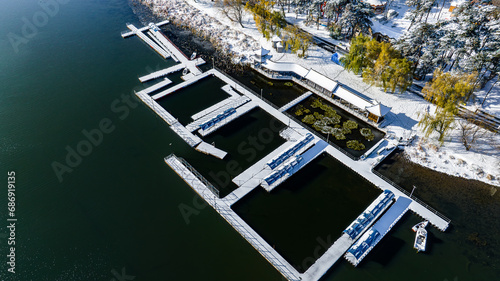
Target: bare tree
<point x="469" y="133"/>
<point x="233" y="10"/>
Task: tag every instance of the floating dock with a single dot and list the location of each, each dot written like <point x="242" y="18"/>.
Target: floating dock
<point x="210" y="149"/>
<point x="180" y="86"/>
<point x="255" y="175"/>
<point x="148" y="41"/>
<point x="246" y="107"/>
<point x="156" y="86"/>
<point x="305" y="158"/>
<point x="369" y="240"/>
<point x="160" y="73"/>
<point x="177" y="127"/>
<point x="199" y="185"/>
<point x="233" y="103"/>
<point x="126" y="34"/>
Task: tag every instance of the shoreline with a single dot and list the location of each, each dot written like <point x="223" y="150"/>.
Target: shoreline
<point x="417" y="152"/>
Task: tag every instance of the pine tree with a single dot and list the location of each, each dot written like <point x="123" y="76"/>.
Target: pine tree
<point x="356" y="17"/>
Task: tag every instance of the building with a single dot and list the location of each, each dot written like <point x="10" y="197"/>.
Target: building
<point x="317" y="82"/>
<point x="377" y="5"/>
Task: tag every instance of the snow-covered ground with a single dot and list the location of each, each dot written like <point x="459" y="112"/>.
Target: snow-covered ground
<point x="481" y="162"/>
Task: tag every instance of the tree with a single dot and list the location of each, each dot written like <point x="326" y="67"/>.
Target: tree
<point x="268" y="22"/>
<point x="469" y="133"/>
<point x="390" y="70"/>
<point x="447" y="90"/>
<point x="356" y="17"/>
<point x="357" y="58"/>
<point x="233" y="10"/>
<point x="441" y="122"/>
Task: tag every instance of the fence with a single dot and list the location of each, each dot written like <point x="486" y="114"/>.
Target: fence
<point x="188" y="166"/>
<point x="409" y="194"/>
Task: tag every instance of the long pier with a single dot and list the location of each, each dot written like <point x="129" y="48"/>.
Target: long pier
<point x="148" y="41"/>
<point x="221" y="206"/>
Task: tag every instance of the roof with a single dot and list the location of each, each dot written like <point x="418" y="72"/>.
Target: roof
<point x="352" y="98"/>
<point x="276" y="39"/>
<point x="375" y="2"/>
<point x="378" y="109"/>
<point x="262" y="52"/>
<point x="343" y="92"/>
<point x="321" y="80"/>
<point x="286" y="66"/>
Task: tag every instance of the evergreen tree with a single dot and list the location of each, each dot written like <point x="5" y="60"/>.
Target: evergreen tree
<point x="356" y="17"/>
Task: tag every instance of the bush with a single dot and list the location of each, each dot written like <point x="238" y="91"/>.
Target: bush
<point x="356" y="145"/>
<point x="367" y="133"/>
<point x="309" y="119"/>
<point x="351" y="125"/>
<point x="337" y="133"/>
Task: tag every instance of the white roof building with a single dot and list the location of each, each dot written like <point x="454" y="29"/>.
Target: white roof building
<point x="374" y="109"/>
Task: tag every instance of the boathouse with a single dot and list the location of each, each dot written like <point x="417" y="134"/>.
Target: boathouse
<point x="319" y="83"/>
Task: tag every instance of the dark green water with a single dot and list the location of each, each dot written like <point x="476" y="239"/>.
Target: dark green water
<point x="118" y="209"/>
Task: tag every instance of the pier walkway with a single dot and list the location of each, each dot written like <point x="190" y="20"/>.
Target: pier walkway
<point x="177" y="127"/>
<point x="199" y="185"/>
<point x="244" y="108"/>
<point x="166" y="71"/>
<point x="296" y="101"/>
<point x="210" y="149"/>
<point x="189" y="64"/>
<point x="370" y="239"/>
<point x="180" y="86"/>
<point x="148" y="41"/>
<point x="156" y="86"/>
<point x="233" y="103"/>
<point x="126" y="34"/>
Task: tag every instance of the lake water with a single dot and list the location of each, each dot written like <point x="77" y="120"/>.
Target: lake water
<point x="117" y="209"/>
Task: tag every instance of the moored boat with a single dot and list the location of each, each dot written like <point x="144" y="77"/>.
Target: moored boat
<point x="418" y="225"/>
<point x="420" y="239"/>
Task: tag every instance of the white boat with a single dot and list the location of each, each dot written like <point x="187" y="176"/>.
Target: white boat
<point x="185" y="71"/>
<point x="418" y="225"/>
<point x="420" y="239"/>
<point x="193" y="55"/>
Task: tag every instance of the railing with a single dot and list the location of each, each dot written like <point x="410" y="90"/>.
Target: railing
<point x="188" y="166"/>
<point x="255" y="242"/>
<point x="410" y="195"/>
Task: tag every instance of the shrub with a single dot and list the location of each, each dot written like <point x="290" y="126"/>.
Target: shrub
<point x="356" y="145"/>
<point x="367" y="133"/>
<point x="349" y="124"/>
<point x="309" y="119"/>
